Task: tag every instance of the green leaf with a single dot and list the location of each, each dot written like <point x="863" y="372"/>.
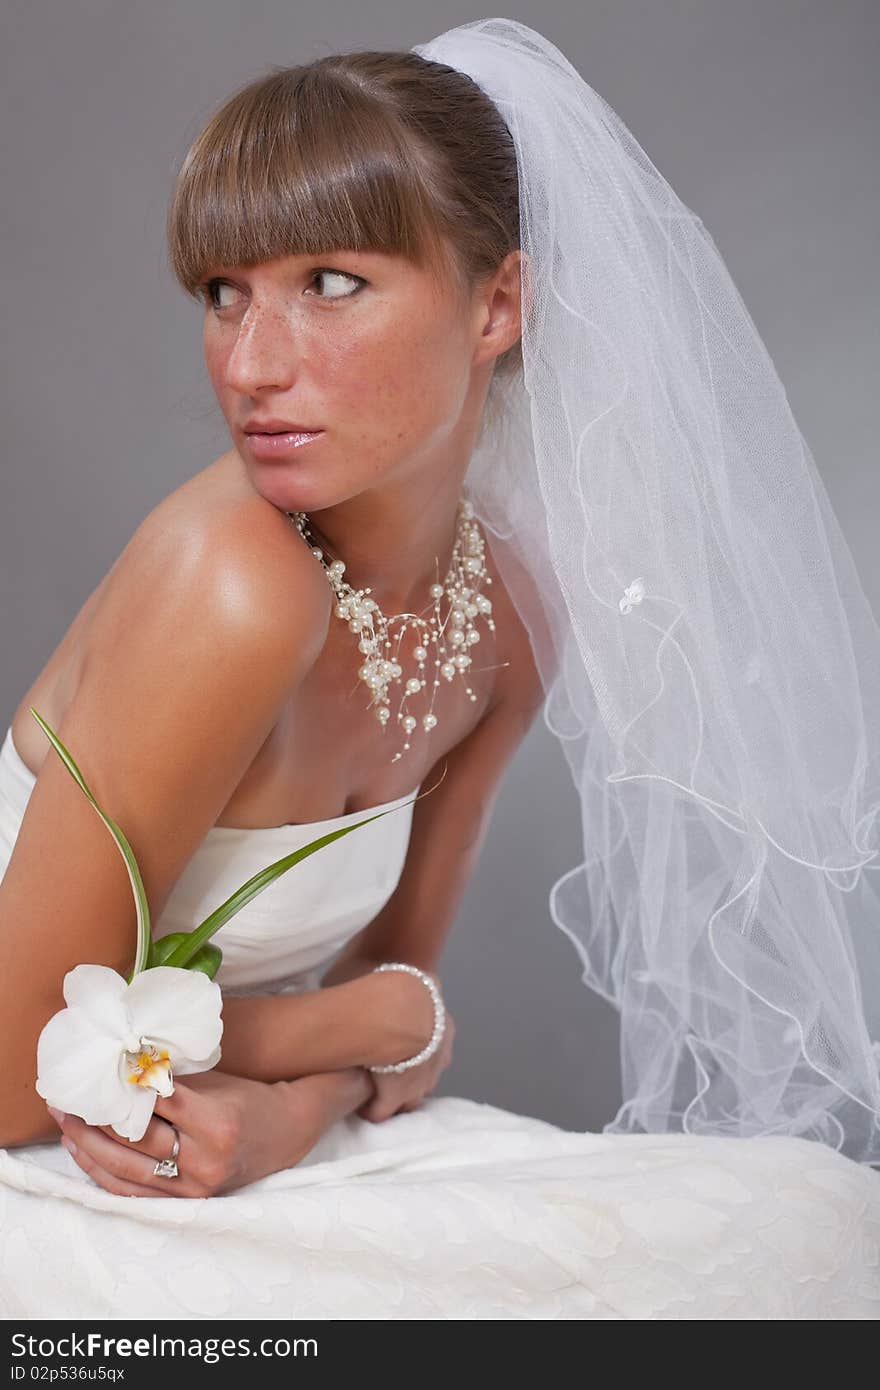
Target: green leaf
<point x="207" y="958"/>
<point x="186" y="950"/>
<point x="190" y="950"/>
<point x="160" y="950"/>
<point x="144" y="929"/>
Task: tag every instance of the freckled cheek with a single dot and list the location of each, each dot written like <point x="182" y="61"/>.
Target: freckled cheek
<point x="393" y="388"/>
<point x="214" y="365"/>
<point x="410" y="381"/>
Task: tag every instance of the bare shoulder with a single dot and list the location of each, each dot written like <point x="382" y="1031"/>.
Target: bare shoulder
<point x="213" y="552"/>
<point x="213" y="562"/>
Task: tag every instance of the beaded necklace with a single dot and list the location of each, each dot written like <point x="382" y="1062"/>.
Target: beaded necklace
<point x="462" y="587"/>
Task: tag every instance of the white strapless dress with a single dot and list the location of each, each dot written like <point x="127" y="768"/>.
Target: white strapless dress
<point x="457" y="1210"/>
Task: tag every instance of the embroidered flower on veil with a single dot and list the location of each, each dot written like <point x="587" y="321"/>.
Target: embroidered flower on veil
<point x="632" y="594"/>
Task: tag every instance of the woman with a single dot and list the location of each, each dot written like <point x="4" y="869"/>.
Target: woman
<point x="364" y="311"/>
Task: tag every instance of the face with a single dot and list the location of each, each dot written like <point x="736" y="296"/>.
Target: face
<point x="379" y="355"/>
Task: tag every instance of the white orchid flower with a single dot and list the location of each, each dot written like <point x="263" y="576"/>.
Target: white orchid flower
<point x="116" y="1046"/>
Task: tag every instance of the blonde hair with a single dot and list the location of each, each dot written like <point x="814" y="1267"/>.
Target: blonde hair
<point x="369" y="151"/>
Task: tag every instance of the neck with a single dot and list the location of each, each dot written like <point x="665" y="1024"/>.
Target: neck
<point x="397" y="543"/>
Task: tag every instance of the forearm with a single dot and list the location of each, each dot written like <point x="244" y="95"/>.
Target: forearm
<point x="355" y="1023"/>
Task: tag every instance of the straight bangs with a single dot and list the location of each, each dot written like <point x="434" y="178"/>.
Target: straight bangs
<point x="302" y="162"/>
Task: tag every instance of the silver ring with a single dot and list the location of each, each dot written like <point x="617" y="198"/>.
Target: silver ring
<point x="167" y="1167"/>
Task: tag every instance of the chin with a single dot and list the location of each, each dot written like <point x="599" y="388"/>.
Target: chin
<point x="279" y="484"/>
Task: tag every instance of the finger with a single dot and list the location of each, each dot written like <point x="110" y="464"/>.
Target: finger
<point x="378" y="1109"/>
<point x="106" y="1179"/>
<point x="370" y="1111"/>
<point x="122" y="1162"/>
<point x="157" y="1140"/>
<point x="186" y="1107"/>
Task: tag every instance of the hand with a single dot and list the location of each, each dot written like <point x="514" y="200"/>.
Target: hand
<point x="232" y="1132"/>
<point x="394" y="1091"/>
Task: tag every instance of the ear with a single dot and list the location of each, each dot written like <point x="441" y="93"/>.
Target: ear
<point x="502" y="300"/>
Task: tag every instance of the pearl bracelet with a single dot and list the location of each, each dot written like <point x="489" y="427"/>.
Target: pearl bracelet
<point x="439" y="1018"/>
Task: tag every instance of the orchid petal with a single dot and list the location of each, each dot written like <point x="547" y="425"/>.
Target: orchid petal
<point x="101" y="994"/>
<point x="177" y="1009"/>
<point x="158" y="1075"/>
<point x="187" y="1065"/>
<point x="77" y="1068"/>
<point x="134" y="1122"/>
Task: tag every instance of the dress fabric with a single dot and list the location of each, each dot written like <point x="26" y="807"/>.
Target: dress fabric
<point x="457" y="1210"/>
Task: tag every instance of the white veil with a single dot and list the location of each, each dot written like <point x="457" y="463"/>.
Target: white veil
<point x="710" y="661"/>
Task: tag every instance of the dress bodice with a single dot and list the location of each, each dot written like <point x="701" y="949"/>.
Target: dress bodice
<point x="284" y="937"/>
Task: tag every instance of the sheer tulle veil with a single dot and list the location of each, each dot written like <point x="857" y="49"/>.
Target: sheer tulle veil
<point x="710" y="661"/>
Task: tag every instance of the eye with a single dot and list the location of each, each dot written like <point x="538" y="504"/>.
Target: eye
<point x="339" y="275"/>
<point x="209" y="290"/>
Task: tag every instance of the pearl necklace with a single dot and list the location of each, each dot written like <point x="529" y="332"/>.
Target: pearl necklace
<point x="467" y="574"/>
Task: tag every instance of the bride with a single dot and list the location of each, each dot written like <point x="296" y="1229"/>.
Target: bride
<point x="366" y="292"/>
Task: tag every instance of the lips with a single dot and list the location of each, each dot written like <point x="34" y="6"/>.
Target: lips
<point x="266" y="444"/>
<point x="272" y="426"/>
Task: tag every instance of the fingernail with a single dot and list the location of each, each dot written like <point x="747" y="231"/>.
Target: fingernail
<point x="68" y="1144"/>
<point x="58" y="1115"/>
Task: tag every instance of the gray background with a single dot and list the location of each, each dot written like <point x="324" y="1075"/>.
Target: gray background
<point x="762" y="114"/>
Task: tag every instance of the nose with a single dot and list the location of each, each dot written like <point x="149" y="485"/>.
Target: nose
<point x="264" y="352"/>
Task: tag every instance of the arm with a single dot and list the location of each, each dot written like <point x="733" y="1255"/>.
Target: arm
<point x="191" y="655"/>
<point x="414" y="923"/>
<point x="448" y="831"/>
<point x="374" y="1019"/>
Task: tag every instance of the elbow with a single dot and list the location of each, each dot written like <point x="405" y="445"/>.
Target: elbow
<point x="24" y="1119"/>
<point x="24" y="1115"/>
<point x="43" y="1134"/>
<point x="20" y="1137"/>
